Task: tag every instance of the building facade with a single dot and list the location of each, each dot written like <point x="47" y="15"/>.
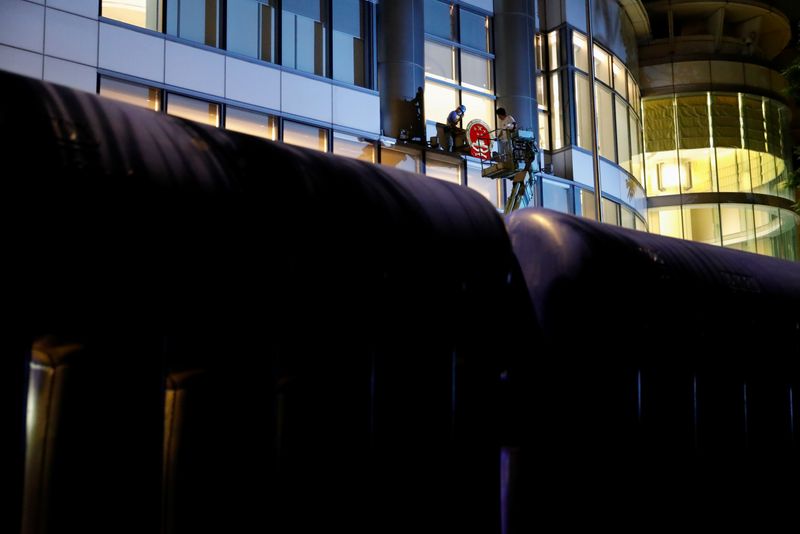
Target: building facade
<point x="695" y="145"/>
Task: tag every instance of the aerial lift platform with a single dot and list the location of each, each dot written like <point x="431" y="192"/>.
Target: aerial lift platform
<point x="518" y="164"/>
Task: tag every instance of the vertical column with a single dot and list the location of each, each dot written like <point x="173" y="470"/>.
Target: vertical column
<point x="401" y="62"/>
<point x="515" y="60"/>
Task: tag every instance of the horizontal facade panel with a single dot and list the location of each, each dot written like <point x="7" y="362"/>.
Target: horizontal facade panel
<point x="356" y="109"/>
<point x="21" y="61"/>
<point x="71" y="37"/>
<point x="115" y="53"/>
<point x="486" y="5"/>
<point x="195" y="69"/>
<point x="251" y="83"/>
<point x="70" y="74"/>
<point x="22" y="25"/>
<point x="86" y="8"/>
<point x="306" y="97"/>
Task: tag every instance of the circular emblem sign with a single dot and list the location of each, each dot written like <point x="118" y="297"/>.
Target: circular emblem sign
<point x="478" y="139"/>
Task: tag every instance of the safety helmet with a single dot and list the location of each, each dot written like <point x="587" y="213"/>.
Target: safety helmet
<point x="462" y="108"/>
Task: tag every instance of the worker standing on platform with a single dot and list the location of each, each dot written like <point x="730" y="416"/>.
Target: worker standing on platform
<point x="505" y="130"/>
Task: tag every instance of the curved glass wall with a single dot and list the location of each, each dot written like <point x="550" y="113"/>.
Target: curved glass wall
<point x="716" y="142"/>
<point x="752" y="228"/>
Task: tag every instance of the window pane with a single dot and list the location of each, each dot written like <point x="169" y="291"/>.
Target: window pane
<point x="666" y="221"/>
<point x="620" y="84"/>
<point x="544" y="130"/>
<point x="584" y="203"/>
<point x="349" y="42"/>
<point x="605" y="122"/>
<point x="552" y="49"/>
<point x="195" y="20"/>
<point x="486" y="187"/>
<point x="354" y="147"/>
<point x="400" y="160"/>
<point x="305" y="135"/>
<point x="555" y="99"/>
<point x="304" y="28"/>
<point x="440" y="19"/>
<point x="610" y="212"/>
<point x="193" y="109"/>
<point x="251" y="28"/>
<point x="738" y="228"/>
<point x="142" y="13"/>
<point x="478" y="107"/>
<point x="251" y="123"/>
<point x="555" y="196"/>
<point x="602" y="65"/>
<point x="539" y="52"/>
<point x="476" y="72"/>
<point x="440" y="61"/>
<point x="768" y="230"/>
<point x="623" y="134"/>
<point x="701" y="223"/>
<point x="450" y="172"/>
<point x="439" y="101"/>
<point x="580" y="49"/>
<point x="131" y="93"/>
<point x="583" y="112"/>
<point x="541" y="100"/>
<point x="627" y="219"/>
<point x="475" y="30"/>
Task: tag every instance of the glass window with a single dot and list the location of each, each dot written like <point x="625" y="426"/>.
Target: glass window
<point x="623" y="134"/>
<point x="620" y="84"/>
<point x="478" y="107"/>
<point x="350" y="49"/>
<point x="605" y="122"/>
<point x="610" y="211"/>
<point x="440" y="100"/>
<point x="666" y="221"/>
<point x="193" y="109"/>
<point x="556" y="196"/>
<point x="580" y="49"/>
<point x="552" y="49"/>
<point x="602" y="65"/>
<point x="475" y="30"/>
<point x="251" y="28"/>
<point x="195" y="20"/>
<point x="633" y="94"/>
<point x="440" y="61"/>
<point x="538" y="45"/>
<point x="142" y="13"/>
<point x="768" y="230"/>
<point x="627" y="218"/>
<point x="304" y="135"/>
<point x="557" y="115"/>
<point x="738" y="228"/>
<point x="131" y="93"/>
<point x="584" y="203"/>
<point x="692" y="117"/>
<point x="583" y="110"/>
<point x="541" y="100"/>
<point x="353" y="147"/>
<point x="486" y="187"/>
<point x="637" y="156"/>
<point x="304" y="28"/>
<point x="544" y="130"/>
<point x="789" y="223"/>
<point x="701" y="223"/>
<point x="476" y="72"/>
<point x="251" y="123"/>
<point x="440" y="19"/>
<point x="400" y="160"/>
<point x="444" y="170"/>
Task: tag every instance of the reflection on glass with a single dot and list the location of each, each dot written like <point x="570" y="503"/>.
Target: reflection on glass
<point x="476" y="72"/>
<point x="602" y="65"/>
<point x="142" y="13"/>
<point x="620" y="83"/>
<point x="131" y="93"/>
<point x="486" y="187"/>
<point x="354" y="147"/>
<point x="478" y="107"/>
<point x="304" y="135"/>
<point x="251" y="123"/>
<point x="701" y="223"/>
<point x="555" y="96"/>
<point x="552" y="49"/>
<point x="540" y="97"/>
<point x="556" y="196"/>
<point x="789" y="223"/>
<point x="605" y="122"/>
<point x="304" y="28"/>
<point x="443" y="170"/>
<point x="349" y="38"/>
<point x="193" y="109"/>
<point x="583" y="110"/>
<point x="544" y="130"/>
<point x="251" y="28"/>
<point x="195" y="20"/>
<point x="400" y="160"/>
<point x="538" y="44"/>
<point x="440" y="61"/>
<point x="738" y="227"/>
<point x="623" y="134"/>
